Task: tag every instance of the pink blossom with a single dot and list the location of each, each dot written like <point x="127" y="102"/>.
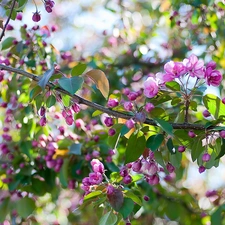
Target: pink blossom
<point x="194" y="66"/>
<point x="149" y="107"/>
<point x="95" y="178"/>
<point x="130" y="123"/>
<point x="173" y="70"/>
<point x="97" y="166"/>
<point x="213" y="77"/>
<point x="150" y="87"/>
<point x="112" y="103"/>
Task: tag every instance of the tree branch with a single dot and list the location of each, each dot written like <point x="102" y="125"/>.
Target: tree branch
<point x="117" y="114"/>
<point x="7" y="21"/>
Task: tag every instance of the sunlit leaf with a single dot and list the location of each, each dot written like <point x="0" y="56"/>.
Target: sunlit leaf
<point x="78" y="69"/>
<point x="7" y="43"/>
<point x="100" y="80"/>
<point x="173" y="85"/>
<point x="134" y="197"/>
<point x="214" y="105"/>
<point x="92" y="195"/>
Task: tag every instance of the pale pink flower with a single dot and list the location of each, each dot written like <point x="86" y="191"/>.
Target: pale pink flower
<point x="194" y="66"/>
<point x="150" y="87"/>
<point x="173" y="70"/>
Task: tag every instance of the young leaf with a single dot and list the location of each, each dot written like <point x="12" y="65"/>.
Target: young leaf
<point x="108" y="219"/>
<point x="214" y="105"/>
<point x="72" y="85"/>
<point x="78" y="69"/>
<point x="100" y="80"/>
<point x="92" y="195"/>
<point x="50" y="101"/>
<point x="164" y="125"/>
<point x="45" y="78"/>
<point x="7" y="43"/>
<point x="154" y="141"/>
<point x="135" y="147"/>
<point x="173" y="85"/>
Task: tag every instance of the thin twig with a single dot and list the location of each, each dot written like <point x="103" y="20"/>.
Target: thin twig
<point x="7" y="21"/>
<point x="117" y="114"/>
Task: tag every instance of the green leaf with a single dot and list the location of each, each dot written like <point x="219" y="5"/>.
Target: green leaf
<point x="216" y="218"/>
<point x="92" y="195"/>
<point x="154" y="142"/>
<point x="96" y="113"/>
<point x="25" y="206"/>
<point x="66" y="100"/>
<point x="7" y="43"/>
<point x="222" y="150"/>
<point x="167" y="127"/>
<point x="108" y="219"/>
<point x="127" y="207"/>
<point x="75" y="149"/>
<point x="134" y="197"/>
<point x="35" y="92"/>
<point x="63" y="174"/>
<point x="196" y="149"/>
<point x="135" y="147"/>
<point x="72" y="85"/>
<point x="193" y="106"/>
<point x="175" y="159"/>
<point x="45" y="78"/>
<point x="170" y="146"/>
<point x="78" y="69"/>
<point x="4" y="209"/>
<point x="100" y="80"/>
<point x="221" y="5"/>
<point x="113" y="139"/>
<point x="51" y="100"/>
<point x="214" y="105"/>
<point x="173" y="85"/>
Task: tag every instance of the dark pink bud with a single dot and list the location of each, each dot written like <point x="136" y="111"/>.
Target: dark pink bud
<point x="128" y="106"/>
<point x="223" y="100"/>
<point x="43" y="121"/>
<point x="201" y="169"/>
<point x="111" y="132"/>
<point x="170" y="167"/>
<point x="95" y="154"/>
<point x="206" y="157"/>
<point x="69" y="120"/>
<point x="130" y="123"/>
<point x="96" y="138"/>
<point x="88" y="157"/>
<point x="153" y="180"/>
<point x="108" y="121"/>
<point x="146" y="198"/>
<point x="206" y="113"/>
<point x="136" y="166"/>
<point x="132" y="96"/>
<point x="112" y="103"/>
<point x="75" y="107"/>
<point x="19" y="16"/>
<point x="127" y="179"/>
<point x="110" y="189"/>
<point x="9" y="27"/>
<point x="123" y="172"/>
<point x="181" y="148"/>
<point x="111" y="152"/>
<point x="149" y="107"/>
<point x="42" y="111"/>
<point x="191" y="134"/>
<point x="211" y="193"/>
<point x="5" y="129"/>
<point x="222" y="133"/>
<point x="36" y="16"/>
<point x="51" y="164"/>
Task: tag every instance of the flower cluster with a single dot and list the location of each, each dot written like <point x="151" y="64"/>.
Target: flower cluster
<point x="191" y="66"/>
<point x="95" y="177"/>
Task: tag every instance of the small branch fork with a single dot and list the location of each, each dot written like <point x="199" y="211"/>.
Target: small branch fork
<point x="117" y="114"/>
<point x="7" y="21"/>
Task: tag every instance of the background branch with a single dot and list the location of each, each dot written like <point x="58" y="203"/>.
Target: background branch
<point x="8" y="19"/>
<point x="117" y="114"/>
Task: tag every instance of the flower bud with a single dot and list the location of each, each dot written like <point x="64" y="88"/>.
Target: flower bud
<point x="206" y="157"/>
